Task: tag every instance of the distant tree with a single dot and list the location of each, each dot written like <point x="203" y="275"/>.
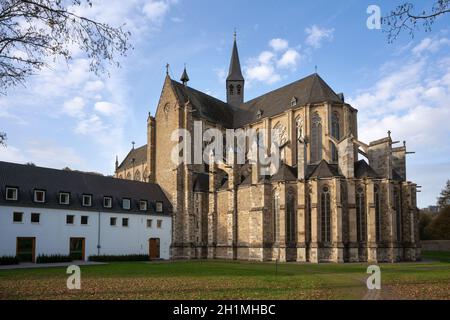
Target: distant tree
<point x="424" y="220"/>
<point x="444" y="198"/>
<point x="31" y="164"/>
<point x="32" y="31"/>
<point x="439" y="228"/>
<point x="405" y="18"/>
<point x="3" y="139"/>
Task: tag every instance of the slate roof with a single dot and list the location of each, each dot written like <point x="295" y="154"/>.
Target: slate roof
<point x="285" y="173"/>
<point x="205" y="106"/>
<point x="312" y="89"/>
<point x="235" y="72"/>
<point x="27" y="178"/>
<point x="364" y="170"/>
<point x="323" y="170"/>
<point x="138" y="154"/>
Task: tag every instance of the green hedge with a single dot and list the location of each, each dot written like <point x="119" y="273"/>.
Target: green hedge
<point x="6" y="260"/>
<point x="129" y="257"/>
<point x="53" y="258"/>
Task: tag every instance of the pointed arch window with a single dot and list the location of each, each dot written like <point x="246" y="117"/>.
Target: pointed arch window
<point x="275" y="215"/>
<point x="299" y="127"/>
<point x="377" y="200"/>
<point x="335" y="133"/>
<point x="361" y="227"/>
<point x="325" y="215"/>
<point x="231" y="89"/>
<point x="308" y="216"/>
<point x="398" y="213"/>
<point x="290" y="216"/>
<point x="137" y="175"/>
<point x="316" y="138"/>
<point x="238" y="89"/>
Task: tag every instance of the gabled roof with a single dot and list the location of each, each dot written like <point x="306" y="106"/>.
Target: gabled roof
<point x="205" y="106"/>
<point x="27" y="178"/>
<point x="323" y="170"/>
<point x="285" y="173"/>
<point x="138" y="154"/>
<point x="312" y="89"/>
<point x="235" y="72"/>
<point x="364" y="170"/>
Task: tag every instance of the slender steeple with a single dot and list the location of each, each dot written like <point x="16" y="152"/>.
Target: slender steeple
<point x="235" y="80"/>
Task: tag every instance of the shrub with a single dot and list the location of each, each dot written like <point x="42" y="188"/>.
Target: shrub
<point x="53" y="258"/>
<point x="111" y="258"/>
<point x="6" y="260"/>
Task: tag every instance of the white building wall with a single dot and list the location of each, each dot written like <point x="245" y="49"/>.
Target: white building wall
<point x="53" y="234"/>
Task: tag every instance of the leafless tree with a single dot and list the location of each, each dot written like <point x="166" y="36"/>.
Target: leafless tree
<point x="405" y="18"/>
<point x="36" y="32"/>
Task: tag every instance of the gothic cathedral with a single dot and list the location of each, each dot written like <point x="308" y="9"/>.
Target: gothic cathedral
<point x="334" y="198"/>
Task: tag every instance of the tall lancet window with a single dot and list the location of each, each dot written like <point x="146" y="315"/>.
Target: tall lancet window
<point x="398" y="213"/>
<point x="290" y="216"/>
<point x="361" y="226"/>
<point x="377" y="199"/>
<point x="275" y="215"/>
<point x="239" y="89"/>
<point x="316" y="138"/>
<point x="299" y="127"/>
<point x="335" y="133"/>
<point x="325" y="215"/>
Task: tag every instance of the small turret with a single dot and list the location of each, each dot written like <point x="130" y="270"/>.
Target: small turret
<point x="184" y="77"/>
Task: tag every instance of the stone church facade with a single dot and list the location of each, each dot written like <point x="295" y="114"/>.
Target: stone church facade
<point x="322" y="205"/>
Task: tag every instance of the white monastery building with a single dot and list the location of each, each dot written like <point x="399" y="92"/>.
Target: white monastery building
<point x="46" y="212"/>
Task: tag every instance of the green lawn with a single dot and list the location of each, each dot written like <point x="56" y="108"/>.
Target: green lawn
<point x="233" y="280"/>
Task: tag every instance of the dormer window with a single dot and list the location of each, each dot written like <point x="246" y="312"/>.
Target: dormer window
<point x="293" y="102"/>
<point x="64" y="198"/>
<point x="259" y="114"/>
<point x="39" y="196"/>
<point x="143" y="205"/>
<point x="126" y="204"/>
<point x="107" y="202"/>
<point x="87" y="200"/>
<point x="12" y="194"/>
<point x="159" y="206"/>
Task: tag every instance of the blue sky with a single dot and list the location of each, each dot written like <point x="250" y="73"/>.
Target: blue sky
<point x="67" y="116"/>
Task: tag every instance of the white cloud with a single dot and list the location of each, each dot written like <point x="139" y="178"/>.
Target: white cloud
<point x="289" y="59"/>
<point x="107" y="108"/>
<point x="74" y="107"/>
<point x="316" y="35"/>
<point x="155" y="11"/>
<point x="430" y="44"/>
<point x="411" y="99"/>
<point x="94" y="86"/>
<point x="267" y="66"/>
<point x="279" y="44"/>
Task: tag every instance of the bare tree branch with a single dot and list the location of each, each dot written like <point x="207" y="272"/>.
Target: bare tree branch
<point x="32" y="31"/>
<point x="403" y="18"/>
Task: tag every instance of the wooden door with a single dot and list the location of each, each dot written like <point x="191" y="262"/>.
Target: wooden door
<point x="153" y="248"/>
<point x="77" y="248"/>
<point x="26" y="249"/>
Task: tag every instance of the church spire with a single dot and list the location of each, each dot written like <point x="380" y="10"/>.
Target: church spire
<point x="235" y="72"/>
<point x="235" y="80"/>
